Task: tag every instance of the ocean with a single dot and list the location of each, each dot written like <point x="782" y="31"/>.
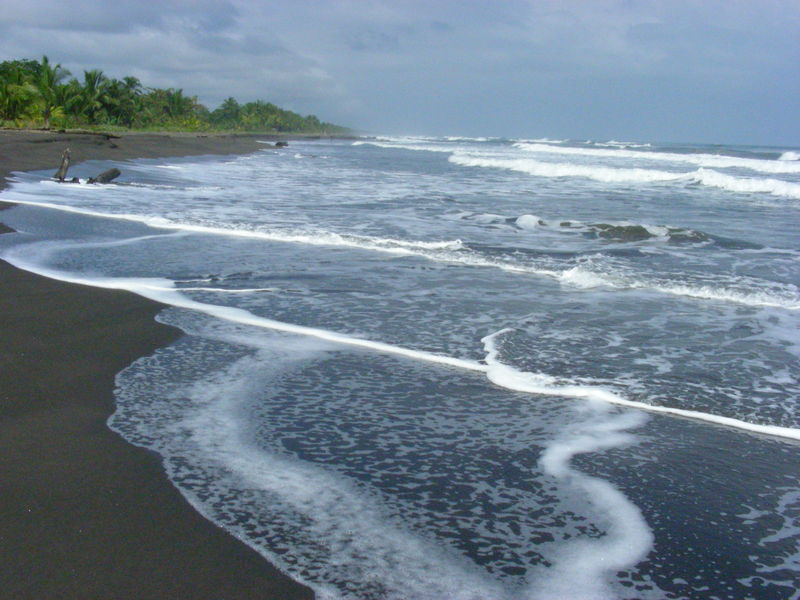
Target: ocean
<point x="463" y="368"/>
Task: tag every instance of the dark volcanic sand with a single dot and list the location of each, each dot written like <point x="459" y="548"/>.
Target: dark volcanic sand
<point x="83" y="514"/>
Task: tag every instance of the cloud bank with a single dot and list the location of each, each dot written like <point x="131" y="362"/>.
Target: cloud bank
<point x="681" y="70"/>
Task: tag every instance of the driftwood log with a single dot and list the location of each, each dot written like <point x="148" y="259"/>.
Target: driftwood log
<point x="61" y="174"/>
<point x="106" y="176"/>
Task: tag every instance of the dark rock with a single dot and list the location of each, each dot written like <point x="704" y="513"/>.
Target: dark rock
<point x="622" y="233"/>
<point x="106" y="176"/>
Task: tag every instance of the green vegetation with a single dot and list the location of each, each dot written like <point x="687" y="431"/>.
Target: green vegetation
<point x="38" y="94"/>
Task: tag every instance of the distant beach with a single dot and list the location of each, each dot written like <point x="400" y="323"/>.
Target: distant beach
<point x="85" y="514"/>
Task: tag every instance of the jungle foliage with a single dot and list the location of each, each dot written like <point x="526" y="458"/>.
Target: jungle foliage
<point x="42" y="94"/>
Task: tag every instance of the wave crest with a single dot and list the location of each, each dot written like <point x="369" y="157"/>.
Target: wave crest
<point x="707" y="177"/>
<point x="701" y="160"/>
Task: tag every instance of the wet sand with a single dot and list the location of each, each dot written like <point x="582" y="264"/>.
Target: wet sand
<point x="83" y="514"/>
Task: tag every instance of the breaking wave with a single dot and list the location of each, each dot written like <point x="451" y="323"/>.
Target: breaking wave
<point x="701" y="160"/>
<point x="458" y="253"/>
<point x="548" y="169"/>
<point x="632" y="175"/>
<point x="163" y="291"/>
<point x="746" y="185"/>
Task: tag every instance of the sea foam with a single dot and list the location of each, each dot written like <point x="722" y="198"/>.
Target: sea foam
<point x="454" y="252"/>
<point x="271" y="500"/>
<point x="163" y="291"/>
<point x="585" y="568"/>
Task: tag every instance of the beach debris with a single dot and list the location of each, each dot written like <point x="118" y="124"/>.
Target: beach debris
<point x="61" y="174"/>
<point x="106" y="176"/>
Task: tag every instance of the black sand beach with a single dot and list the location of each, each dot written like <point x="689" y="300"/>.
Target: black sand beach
<point x="82" y="513"/>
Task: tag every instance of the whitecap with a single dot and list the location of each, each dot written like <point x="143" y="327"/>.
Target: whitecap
<point x="529" y="222"/>
<point x="631" y="175"/>
<point x="549" y="169"/>
<point x="583" y="278"/>
<point x="452" y="252"/>
<point x="747" y="185"/>
<point x="701" y="160"/>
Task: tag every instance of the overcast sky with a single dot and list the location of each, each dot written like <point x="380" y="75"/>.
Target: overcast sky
<point x="719" y="71"/>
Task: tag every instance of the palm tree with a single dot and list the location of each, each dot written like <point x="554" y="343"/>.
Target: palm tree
<point x="123" y="100"/>
<point x="17" y="93"/>
<point x="133" y="85"/>
<point x="47" y="83"/>
<point x="178" y="105"/>
<point x="227" y="114"/>
<point x="115" y="103"/>
<point x="93" y="94"/>
<point x="68" y="97"/>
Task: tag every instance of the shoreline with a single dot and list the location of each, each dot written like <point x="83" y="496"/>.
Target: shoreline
<point x="83" y="513"/>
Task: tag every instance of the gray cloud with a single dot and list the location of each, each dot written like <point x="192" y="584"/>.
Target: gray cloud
<point x="96" y="16"/>
<point x="666" y="69"/>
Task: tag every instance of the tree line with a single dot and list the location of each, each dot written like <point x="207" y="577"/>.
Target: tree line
<point x="42" y="94"/>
